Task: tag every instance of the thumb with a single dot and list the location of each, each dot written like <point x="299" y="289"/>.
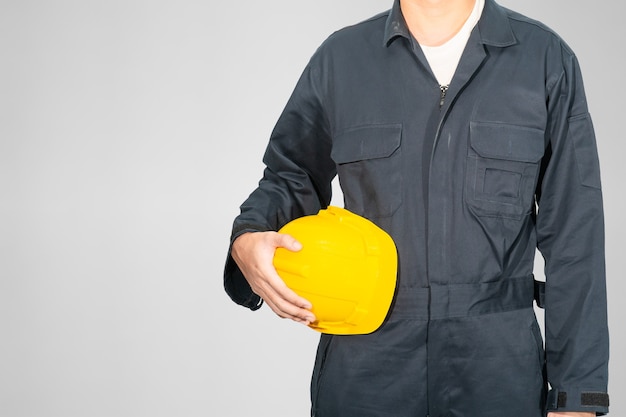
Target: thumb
<point x="288" y="242"/>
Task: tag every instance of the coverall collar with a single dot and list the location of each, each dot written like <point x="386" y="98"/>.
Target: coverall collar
<point x="494" y="26"/>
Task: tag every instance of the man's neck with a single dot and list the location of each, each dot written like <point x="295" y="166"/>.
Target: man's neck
<point x="434" y="22"/>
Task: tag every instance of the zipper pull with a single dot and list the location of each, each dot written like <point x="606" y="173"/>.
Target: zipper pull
<point x="444" y="90"/>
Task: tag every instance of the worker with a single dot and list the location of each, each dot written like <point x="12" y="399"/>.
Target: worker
<point x="461" y="128"/>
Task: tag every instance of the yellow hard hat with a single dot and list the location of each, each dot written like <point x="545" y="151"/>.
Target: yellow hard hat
<point x="346" y="268"/>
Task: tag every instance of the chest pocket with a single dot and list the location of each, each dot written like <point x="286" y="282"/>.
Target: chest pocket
<point x="368" y="162"/>
<point x="502" y="168"/>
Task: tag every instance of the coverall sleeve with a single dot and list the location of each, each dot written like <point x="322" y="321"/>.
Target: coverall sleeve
<point x="570" y="231"/>
<point x="296" y="180"/>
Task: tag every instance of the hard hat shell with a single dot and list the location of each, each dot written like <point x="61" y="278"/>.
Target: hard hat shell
<point x="347" y="269"/>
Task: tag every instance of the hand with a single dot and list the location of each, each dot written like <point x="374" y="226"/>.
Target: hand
<point x="254" y="253"/>
<point x="571" y="414"/>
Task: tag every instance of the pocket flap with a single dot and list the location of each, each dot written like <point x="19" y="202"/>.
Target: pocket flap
<point x="506" y="141"/>
<point x="366" y="142"/>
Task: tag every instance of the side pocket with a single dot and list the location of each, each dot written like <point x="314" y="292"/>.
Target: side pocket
<point x="536" y="332"/>
<point x="318" y="369"/>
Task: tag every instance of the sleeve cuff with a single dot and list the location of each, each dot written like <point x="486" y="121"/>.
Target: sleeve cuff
<point x="581" y="400"/>
<point x="238" y="288"/>
<point x="235" y="283"/>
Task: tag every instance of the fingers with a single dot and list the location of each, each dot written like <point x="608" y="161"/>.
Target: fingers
<point x="281" y="299"/>
<point x="254" y="253"/>
<point x="289" y="310"/>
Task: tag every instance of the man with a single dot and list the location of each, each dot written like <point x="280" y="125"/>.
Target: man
<point x="461" y="128"/>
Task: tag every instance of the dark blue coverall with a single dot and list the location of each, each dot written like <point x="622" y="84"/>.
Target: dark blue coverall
<point x="468" y="182"/>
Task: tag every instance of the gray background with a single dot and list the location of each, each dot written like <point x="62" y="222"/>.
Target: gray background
<point x="130" y="132"/>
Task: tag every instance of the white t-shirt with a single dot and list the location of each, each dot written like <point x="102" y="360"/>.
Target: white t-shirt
<point x="443" y="59"/>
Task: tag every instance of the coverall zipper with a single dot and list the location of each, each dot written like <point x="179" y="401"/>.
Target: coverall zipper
<point x="442" y="98"/>
<point x="444" y="90"/>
